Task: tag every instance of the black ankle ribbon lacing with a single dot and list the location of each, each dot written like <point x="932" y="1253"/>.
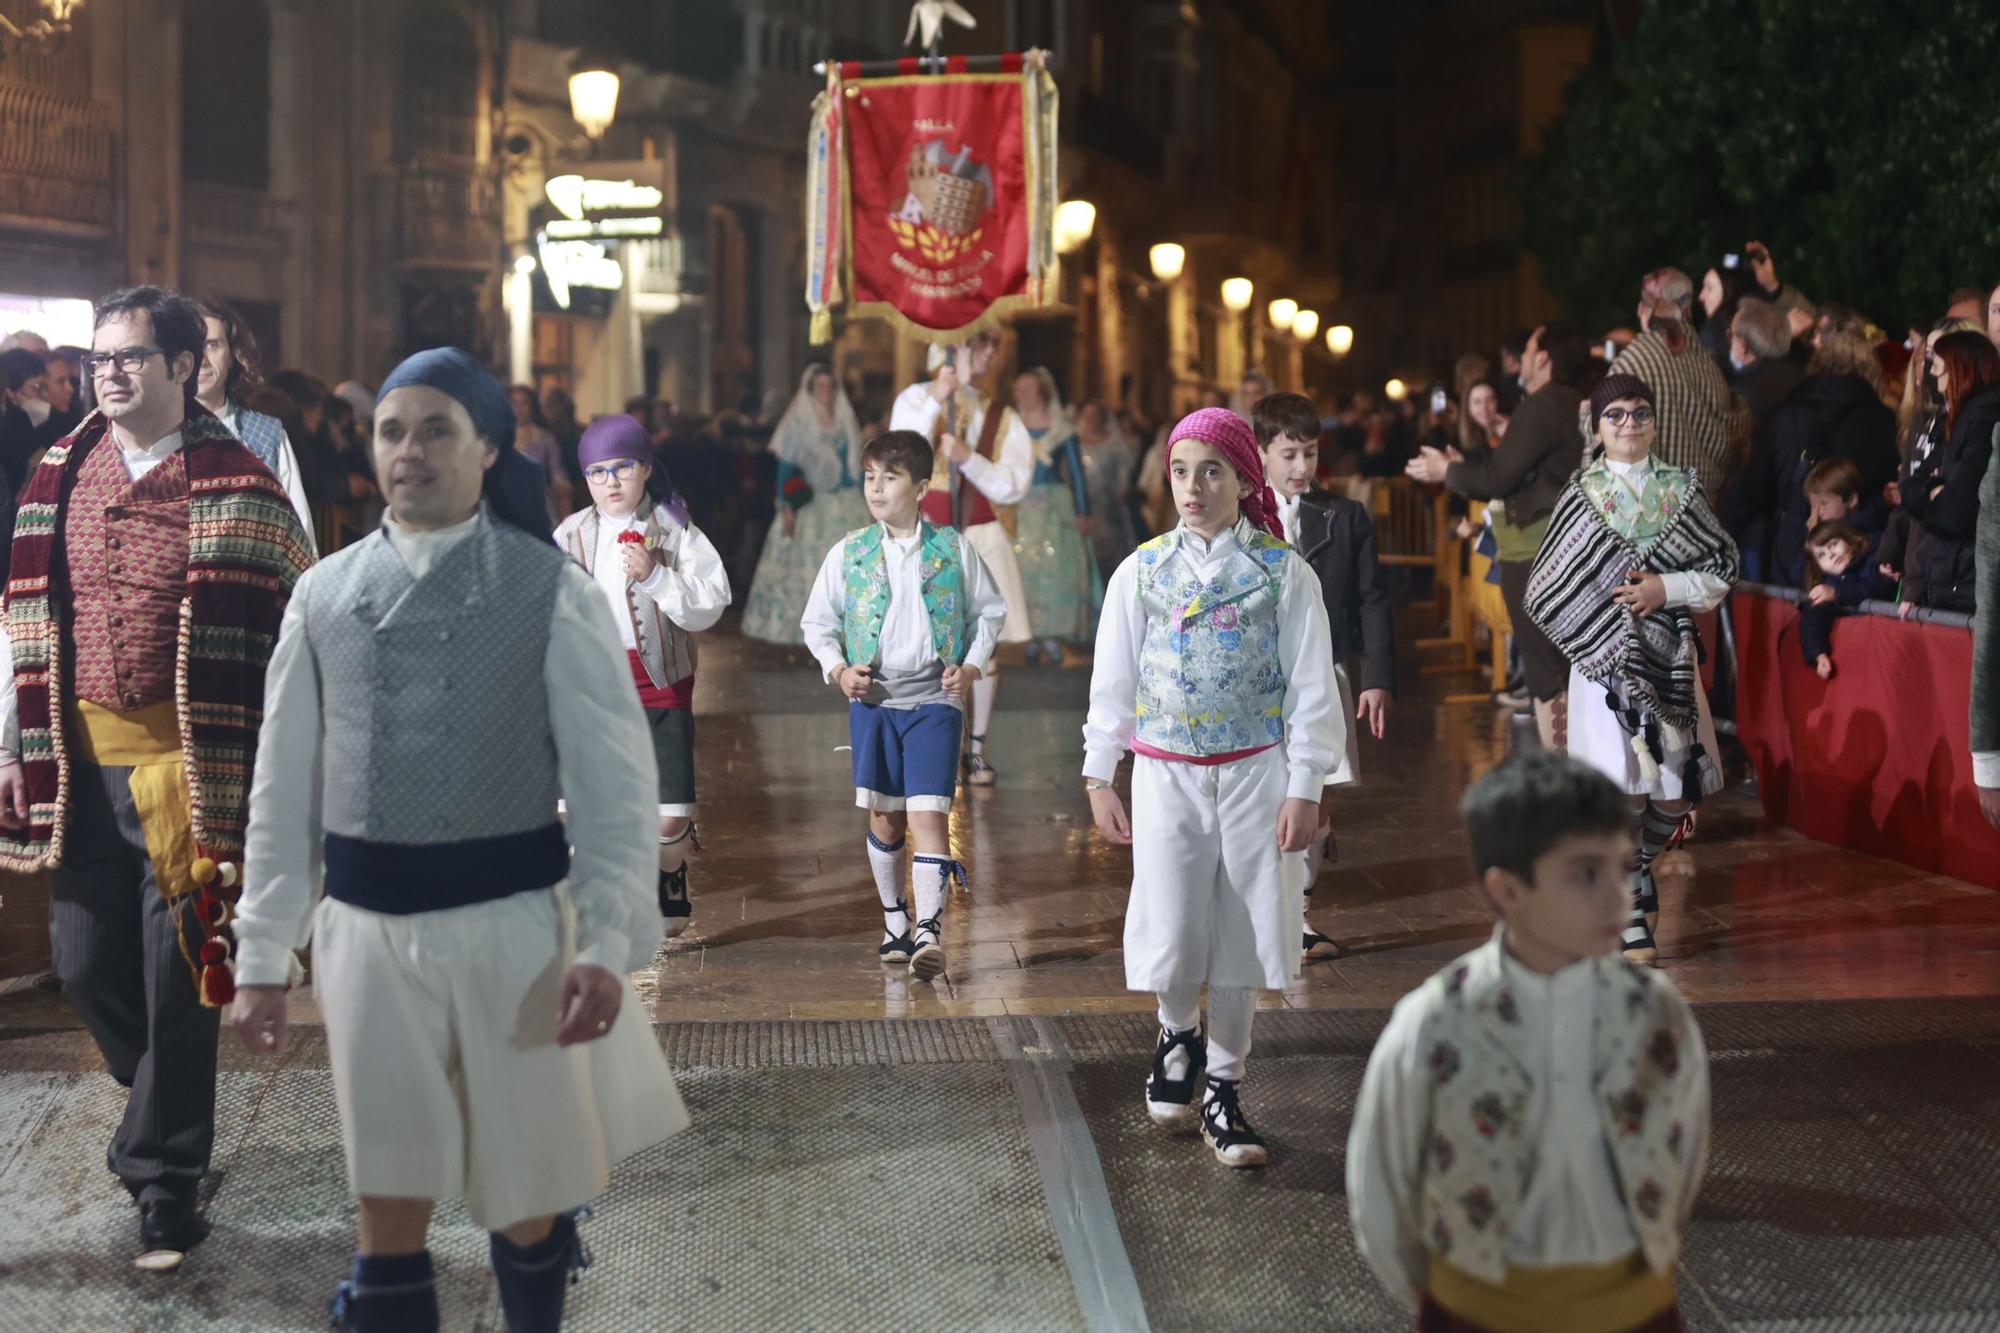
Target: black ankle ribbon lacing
<point x="579" y="1255"/>
<point x="1224" y="1112"/>
<point x="343" y="1300"/>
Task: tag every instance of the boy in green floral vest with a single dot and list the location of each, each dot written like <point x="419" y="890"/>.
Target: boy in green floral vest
<point x="903" y="619"/>
<point x="1533" y="1125"/>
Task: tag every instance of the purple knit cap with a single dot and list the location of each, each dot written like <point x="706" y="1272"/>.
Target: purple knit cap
<point x="1222" y="428"/>
<point x="615" y="436"/>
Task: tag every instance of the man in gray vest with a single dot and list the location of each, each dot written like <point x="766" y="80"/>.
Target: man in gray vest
<point x="226" y="375"/>
<point x="436" y="688"/>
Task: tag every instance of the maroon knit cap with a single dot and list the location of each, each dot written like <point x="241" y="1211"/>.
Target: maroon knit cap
<point x="1614" y="387"/>
<point x="1222" y="428"/>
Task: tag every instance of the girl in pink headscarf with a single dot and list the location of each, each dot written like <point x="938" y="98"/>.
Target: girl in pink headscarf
<point x="1215" y="669"/>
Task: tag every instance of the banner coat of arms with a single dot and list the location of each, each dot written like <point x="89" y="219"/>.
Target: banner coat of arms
<point x="931" y="198"/>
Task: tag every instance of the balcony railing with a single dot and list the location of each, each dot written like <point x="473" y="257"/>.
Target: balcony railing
<point x="228" y="213"/>
<point x="55" y="157"/>
<point x="448" y="215"/>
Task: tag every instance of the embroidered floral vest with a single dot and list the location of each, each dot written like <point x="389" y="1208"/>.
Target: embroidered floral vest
<point x="1209" y="679"/>
<point x="1479" y="1156"/>
<point x="865" y="580"/>
<point x="1641" y="515"/>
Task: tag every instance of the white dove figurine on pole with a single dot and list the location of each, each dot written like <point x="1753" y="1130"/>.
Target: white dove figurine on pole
<point x="927" y="18"/>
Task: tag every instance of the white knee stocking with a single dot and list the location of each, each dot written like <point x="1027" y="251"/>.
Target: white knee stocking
<point x="1315" y="855"/>
<point x="983" y="692"/>
<point x="886" y="861"/>
<point x="1180" y="1008"/>
<point x="1230" y="1011"/>
<point x="932" y="875"/>
<point x="674" y="850"/>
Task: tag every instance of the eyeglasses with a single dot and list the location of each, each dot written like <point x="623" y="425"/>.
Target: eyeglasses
<point x="599" y="473"/>
<point x="1638" y="416"/>
<point x="128" y="360"/>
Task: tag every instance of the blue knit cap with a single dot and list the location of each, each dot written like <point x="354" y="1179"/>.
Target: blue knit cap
<point x="514" y="485"/>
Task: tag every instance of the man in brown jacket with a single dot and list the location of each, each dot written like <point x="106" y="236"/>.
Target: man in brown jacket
<point x="1523" y="473"/>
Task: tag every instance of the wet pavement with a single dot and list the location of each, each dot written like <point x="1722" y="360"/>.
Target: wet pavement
<point x="870" y="1152"/>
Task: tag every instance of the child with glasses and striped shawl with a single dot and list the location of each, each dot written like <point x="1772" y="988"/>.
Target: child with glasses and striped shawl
<point x="1632" y="554"/>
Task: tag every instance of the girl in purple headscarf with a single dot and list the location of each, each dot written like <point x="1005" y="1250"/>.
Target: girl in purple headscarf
<point x="665" y="582"/>
<point x="1214" y="667"/>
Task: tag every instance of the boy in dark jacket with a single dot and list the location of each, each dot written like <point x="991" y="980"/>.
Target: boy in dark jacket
<point x="1336" y="536"/>
<point x="1842" y="560"/>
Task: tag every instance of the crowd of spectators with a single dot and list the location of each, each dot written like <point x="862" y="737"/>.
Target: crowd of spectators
<point x="1844" y="459"/>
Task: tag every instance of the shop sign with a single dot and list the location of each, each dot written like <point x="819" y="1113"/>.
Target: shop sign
<point x="586" y="229"/>
<point x="569" y="266"/>
<point x="577" y="197"/>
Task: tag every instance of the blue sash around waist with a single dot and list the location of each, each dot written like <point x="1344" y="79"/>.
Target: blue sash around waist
<point x="404" y="878"/>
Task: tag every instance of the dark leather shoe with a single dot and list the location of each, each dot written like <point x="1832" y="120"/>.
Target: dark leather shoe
<point x="168" y="1229"/>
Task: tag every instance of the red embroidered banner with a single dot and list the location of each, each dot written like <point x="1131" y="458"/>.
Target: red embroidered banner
<point x="937" y="203"/>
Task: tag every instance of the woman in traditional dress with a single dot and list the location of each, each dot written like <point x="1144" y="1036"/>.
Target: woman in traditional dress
<point x="1633" y="554"/>
<point x="534" y="439"/>
<point x="818" y="442"/>
<point x="1108" y="463"/>
<point x="1056" y="566"/>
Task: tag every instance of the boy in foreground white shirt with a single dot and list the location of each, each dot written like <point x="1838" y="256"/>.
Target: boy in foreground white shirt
<point x="664" y="583"/>
<point x="1534" y="1122"/>
<point x="1214" y="668"/>
<point x="436" y="688"/>
<point x="903" y="618"/>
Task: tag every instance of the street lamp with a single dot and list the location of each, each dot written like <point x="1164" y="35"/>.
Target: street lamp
<point x="1305" y="325"/>
<point x="1076" y="219"/>
<point x="593" y="93"/>
<point x="43" y="35"/>
<point x="1237" y="294"/>
<point x="1340" y="340"/>
<point x="1283" y="311"/>
<point x="1167" y="259"/>
<point x="1395" y="391"/>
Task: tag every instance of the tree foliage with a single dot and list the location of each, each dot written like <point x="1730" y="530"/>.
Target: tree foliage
<point x="1859" y="140"/>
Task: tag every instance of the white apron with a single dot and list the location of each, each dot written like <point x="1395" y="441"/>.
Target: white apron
<point x="996" y="550"/>
<point x="1596" y="738"/>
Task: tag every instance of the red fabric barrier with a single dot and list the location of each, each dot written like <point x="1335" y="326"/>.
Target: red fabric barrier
<point x="1877" y="758"/>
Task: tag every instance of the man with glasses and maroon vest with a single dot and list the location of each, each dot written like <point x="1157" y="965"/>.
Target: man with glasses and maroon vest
<point x="152" y="561"/>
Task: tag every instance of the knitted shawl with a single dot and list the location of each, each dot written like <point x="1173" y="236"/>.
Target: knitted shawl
<point x="1649" y="664"/>
<point x="245" y="551"/>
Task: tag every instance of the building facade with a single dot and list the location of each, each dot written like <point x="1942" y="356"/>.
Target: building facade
<point x="325" y="168"/>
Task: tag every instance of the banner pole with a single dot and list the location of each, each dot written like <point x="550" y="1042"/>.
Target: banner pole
<point x="926" y="64"/>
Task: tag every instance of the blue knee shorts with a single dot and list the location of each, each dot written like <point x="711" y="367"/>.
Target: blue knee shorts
<point x="905" y="758"/>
